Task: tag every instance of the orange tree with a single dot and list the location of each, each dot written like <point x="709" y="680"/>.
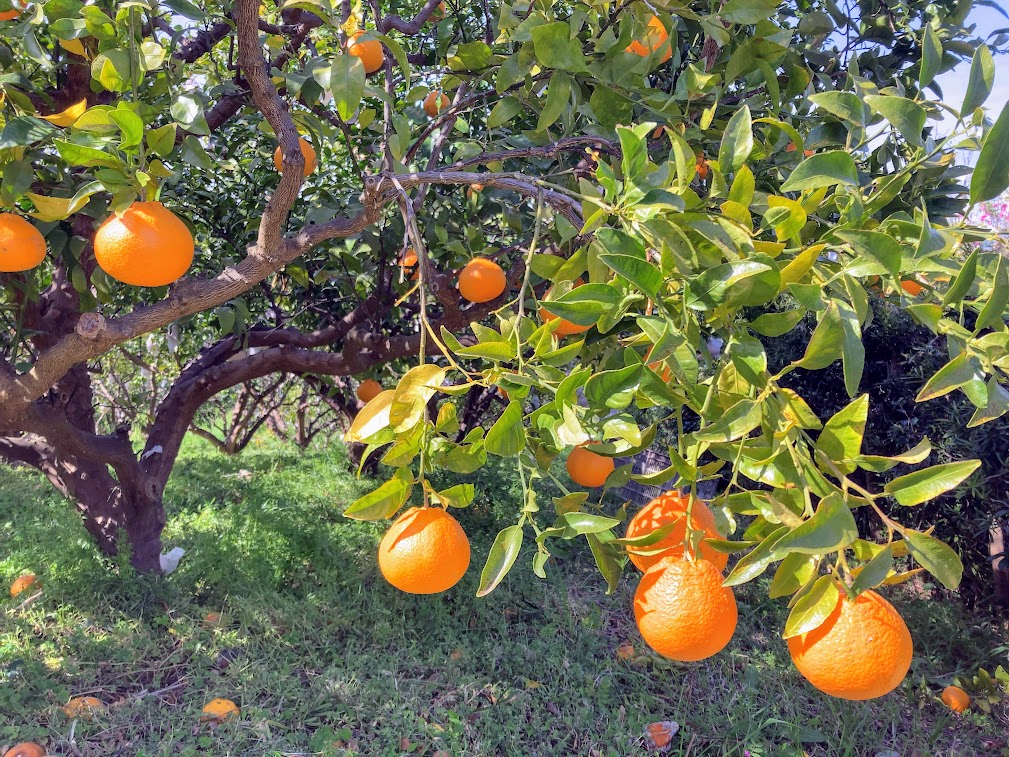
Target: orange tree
<point x="649" y="180"/>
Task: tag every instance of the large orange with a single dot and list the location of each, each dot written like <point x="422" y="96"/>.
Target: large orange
<point x="671" y="507"/>
<point x="219" y="710"/>
<point x="148" y="246"/>
<point x="683" y="611"/>
<point x="435" y="103"/>
<point x="956" y="698"/>
<point x="567" y="328"/>
<point x="861" y="651"/>
<point x="481" y="280"/>
<point x="311" y="161"/>
<point x="586" y="468"/>
<point x="26" y="748"/>
<point x="656" y="37"/>
<point x="425" y="551"/>
<point x="368" y="390"/>
<point x="23" y="583"/>
<point x="368" y="50"/>
<point x="22" y="246"/>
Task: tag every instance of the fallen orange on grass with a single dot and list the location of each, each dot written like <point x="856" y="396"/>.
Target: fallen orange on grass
<point x="956" y="698"/>
<point x="83" y="708"/>
<point x="25" y="749"/>
<point x="23" y="583"/>
<point x="219" y="710"/>
<point x="425" y="551"/>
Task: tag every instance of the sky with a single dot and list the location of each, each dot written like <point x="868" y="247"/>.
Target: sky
<point x="954" y="83"/>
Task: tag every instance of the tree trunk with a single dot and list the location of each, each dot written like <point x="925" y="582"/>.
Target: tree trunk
<point x="999" y="564"/>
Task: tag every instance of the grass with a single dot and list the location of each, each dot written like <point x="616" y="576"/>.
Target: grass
<point x="324" y="657"/>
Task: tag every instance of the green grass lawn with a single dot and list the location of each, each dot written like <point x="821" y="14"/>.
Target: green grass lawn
<point x="324" y="657"/>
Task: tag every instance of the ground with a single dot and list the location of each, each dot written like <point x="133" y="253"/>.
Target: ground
<point x="324" y="657"/>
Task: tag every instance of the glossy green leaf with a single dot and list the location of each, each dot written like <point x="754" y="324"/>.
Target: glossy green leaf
<point x="991" y="175"/>
<point x="874" y="572"/>
<point x="931" y="57"/>
<point x="381" y="503"/>
<point x="506" y="437"/>
<point x="929" y="483"/>
<point x="936" y="557"/>
<point x="737" y="141"/>
<point x="906" y="116"/>
<point x="503" y="553"/>
<point x="813" y="608"/>
<point x="979" y="82"/>
<point x="841" y="438"/>
<point x="825" y="169"/>
<point x="832" y="527"/>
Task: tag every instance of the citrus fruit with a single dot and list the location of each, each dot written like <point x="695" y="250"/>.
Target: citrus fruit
<point x="219" y="710"/>
<point x="481" y="280"/>
<point x="409" y="262"/>
<point x="425" y="551"/>
<point x="702" y="168"/>
<point x="683" y="611"/>
<point x="25" y="748"/>
<point x="23" y="583"/>
<point x="955" y="698"/>
<point x="655" y="37"/>
<point x="671" y="507"/>
<point x="586" y="468"/>
<point x="368" y="390"/>
<point x="83" y="708"/>
<point x="22" y="246"/>
<point x="213" y="619"/>
<point x="10" y="15"/>
<point x="912" y="287"/>
<point x="435" y="103"/>
<point x="147" y="246"/>
<point x="311" y="161"/>
<point x="567" y="328"/>
<point x="368" y="50"/>
<point x="861" y="651"/>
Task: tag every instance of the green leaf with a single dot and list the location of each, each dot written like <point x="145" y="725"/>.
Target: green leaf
<point x="500" y="559"/>
<point x="824" y="169"/>
<point x="956" y="373"/>
<point x="813" y="608"/>
<point x="845" y="105"/>
<point x="997" y="406"/>
<point x="826" y="344"/>
<point x="412" y="393"/>
<point x="161" y="141"/>
<point x="613" y="389"/>
<point x="346" y="82"/>
<point x="742" y="186"/>
<point x="979" y="82"/>
<point x="737" y="141"/>
<point x="606" y="561"/>
<point x="929" y="483"/>
<point x="755" y="562"/>
<point x="991" y="175"/>
<point x="748" y="11"/>
<point x="578" y="523"/>
<point x="460" y="495"/>
<point x="906" y="116"/>
<point x="931" y="57"/>
<point x="795" y="571"/>
<point x="880" y="464"/>
<point x="874" y="572"/>
<point x="994" y="307"/>
<point x="557" y="100"/>
<point x="506" y="437"/>
<point x="716" y="285"/>
<point x="876" y="246"/>
<point x="776" y="324"/>
<point x="963" y="281"/>
<point x="381" y="503"/>
<point x="737" y="421"/>
<point x="583" y="305"/>
<point x="841" y="438"/>
<point x="832" y="527"/>
<point x="187" y="110"/>
<point x="24" y="131"/>
<point x="936" y="557"/>
<point x="852" y="349"/>
<point x="79" y="155"/>
<point x="555" y="48"/>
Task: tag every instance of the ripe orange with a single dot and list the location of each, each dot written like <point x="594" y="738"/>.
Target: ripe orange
<point x="311" y="161"/>
<point x="408" y="262"/>
<point x="862" y="651"/>
<point x="425" y="551"/>
<point x="213" y="619"/>
<point x="683" y="611"/>
<point x="22" y="246"/>
<point x="26" y="748"/>
<point x="10" y="15"/>
<point x="586" y="468"/>
<point x="956" y="698"/>
<point x="23" y="583"/>
<point x="368" y="390"/>
<point x="481" y="280"/>
<point x="368" y="50"/>
<point x="912" y="287"/>
<point x="656" y="37"/>
<point x="219" y="710"/>
<point x="567" y="328"/>
<point x="671" y="507"/>
<point x="83" y="708"/>
<point x="148" y="246"/>
<point x="435" y="102"/>
<point x="702" y="168"/>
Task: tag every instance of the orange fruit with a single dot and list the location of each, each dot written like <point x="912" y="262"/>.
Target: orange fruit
<point x="683" y="611"/>
<point x="861" y="651"/>
<point x="702" y="168"/>
<point x="368" y="50"/>
<point x="671" y="507"/>
<point x="83" y="708"/>
<point x="213" y="619"/>
<point x="368" y="390"/>
<point x="25" y="748"/>
<point x="912" y="287"/>
<point x="219" y="710"/>
<point x="22" y="246"/>
<point x="23" y="583"/>
<point x="149" y="246"/>
<point x="435" y="102"/>
<point x="586" y="468"/>
<point x="409" y="261"/>
<point x="425" y="551"/>
<point x="481" y="280"/>
<point x="567" y="328"/>
<point x="10" y="15"/>
<point x="656" y="37"/>
<point x="955" y="698"/>
<point x="311" y="161"/>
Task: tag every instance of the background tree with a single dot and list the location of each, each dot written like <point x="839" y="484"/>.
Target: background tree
<point x="729" y="173"/>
